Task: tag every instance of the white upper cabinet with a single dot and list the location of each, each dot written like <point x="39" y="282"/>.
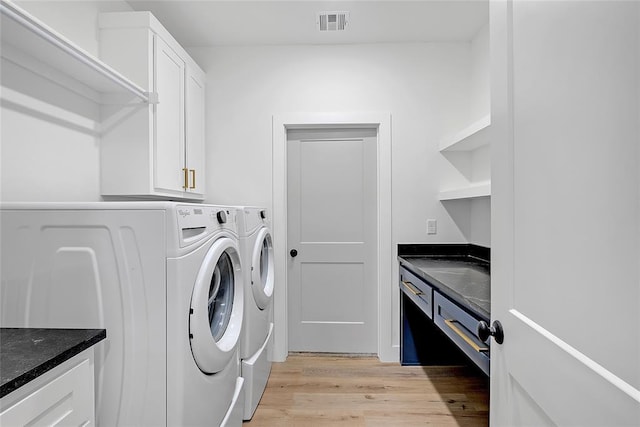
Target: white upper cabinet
<point x="154" y="151"/>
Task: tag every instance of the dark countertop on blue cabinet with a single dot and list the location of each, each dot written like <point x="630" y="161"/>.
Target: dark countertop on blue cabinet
<point x="459" y="271"/>
<point x="27" y="353"/>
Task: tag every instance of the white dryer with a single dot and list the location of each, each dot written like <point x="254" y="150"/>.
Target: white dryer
<point x="256" y="247"/>
<point x="164" y="279"/>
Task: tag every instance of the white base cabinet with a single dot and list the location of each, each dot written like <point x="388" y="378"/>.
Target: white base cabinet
<point x="154" y="150"/>
<point x="62" y="396"/>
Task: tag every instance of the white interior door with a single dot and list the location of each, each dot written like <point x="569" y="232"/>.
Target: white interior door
<point x="331" y="223"/>
<point x="566" y="213"/>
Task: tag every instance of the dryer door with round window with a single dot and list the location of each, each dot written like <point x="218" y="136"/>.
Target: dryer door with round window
<point x="215" y="319"/>
<point x="262" y="280"/>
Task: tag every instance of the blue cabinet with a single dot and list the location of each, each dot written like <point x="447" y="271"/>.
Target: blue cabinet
<point x="435" y="330"/>
<point x="422" y="343"/>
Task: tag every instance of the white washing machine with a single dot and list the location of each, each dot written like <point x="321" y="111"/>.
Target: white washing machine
<point x="164" y="279"/>
<point x="256" y="247"/>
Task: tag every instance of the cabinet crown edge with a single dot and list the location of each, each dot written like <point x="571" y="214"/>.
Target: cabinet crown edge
<point x="145" y="19"/>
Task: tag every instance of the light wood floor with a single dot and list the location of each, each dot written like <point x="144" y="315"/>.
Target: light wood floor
<point x="320" y="390"/>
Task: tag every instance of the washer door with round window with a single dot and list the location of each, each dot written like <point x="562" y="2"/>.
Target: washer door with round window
<point x="262" y="281"/>
<point x="215" y="320"/>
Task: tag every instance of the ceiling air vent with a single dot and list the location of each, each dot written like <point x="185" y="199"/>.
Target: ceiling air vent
<point x="332" y="21"/>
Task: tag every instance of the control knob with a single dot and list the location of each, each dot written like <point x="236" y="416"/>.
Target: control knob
<point x="222" y="217"/>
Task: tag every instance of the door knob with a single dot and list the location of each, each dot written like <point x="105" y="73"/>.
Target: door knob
<point x="293" y="253"/>
<point x="485" y="331"/>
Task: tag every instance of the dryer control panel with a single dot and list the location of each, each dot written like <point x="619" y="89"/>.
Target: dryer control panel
<point x="254" y="219"/>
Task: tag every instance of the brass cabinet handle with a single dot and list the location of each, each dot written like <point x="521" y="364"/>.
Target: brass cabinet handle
<point x="193" y="178"/>
<point x="186" y="178"/>
<point x="465" y="337"/>
<point x="412" y="288"/>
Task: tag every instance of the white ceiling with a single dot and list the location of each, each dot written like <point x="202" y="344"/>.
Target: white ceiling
<point x="241" y="22"/>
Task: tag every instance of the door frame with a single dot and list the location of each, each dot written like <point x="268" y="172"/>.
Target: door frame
<point x="387" y="352"/>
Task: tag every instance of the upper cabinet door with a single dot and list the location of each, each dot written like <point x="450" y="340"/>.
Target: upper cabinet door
<point x="195" y="131"/>
<point x="169" y="136"/>
<point x="565" y="213"/>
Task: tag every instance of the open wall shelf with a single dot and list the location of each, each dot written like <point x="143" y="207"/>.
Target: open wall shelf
<point x="471" y="192"/>
<point x="473" y="136"/>
<point x="32" y="44"/>
<point x="468" y="141"/>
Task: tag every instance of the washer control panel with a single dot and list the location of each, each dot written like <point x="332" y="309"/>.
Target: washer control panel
<point x="196" y="222"/>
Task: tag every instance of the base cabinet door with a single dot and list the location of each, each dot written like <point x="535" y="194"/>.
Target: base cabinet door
<point x="63" y="396"/>
<point x="461" y="328"/>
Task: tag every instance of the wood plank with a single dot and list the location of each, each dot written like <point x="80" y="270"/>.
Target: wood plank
<point x="330" y="390"/>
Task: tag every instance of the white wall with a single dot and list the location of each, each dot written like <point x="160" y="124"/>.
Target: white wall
<point x="75" y="20"/>
<point x="50" y="137"/>
<point x="480" y="221"/>
<point x="425" y="87"/>
<point x="480" y="105"/>
<point x="480" y="93"/>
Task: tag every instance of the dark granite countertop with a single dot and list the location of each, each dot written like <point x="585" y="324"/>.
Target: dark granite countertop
<point x="461" y="272"/>
<point x="27" y="353"/>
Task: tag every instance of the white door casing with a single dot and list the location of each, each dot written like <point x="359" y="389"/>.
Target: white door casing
<point x="332" y="288"/>
<point x="387" y="351"/>
<point x="565" y="213"/>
